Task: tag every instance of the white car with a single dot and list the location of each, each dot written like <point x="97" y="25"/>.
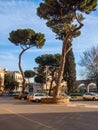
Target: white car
<point x="36" y="97"/>
<point x="65" y="95"/>
<point x="90" y="96"/>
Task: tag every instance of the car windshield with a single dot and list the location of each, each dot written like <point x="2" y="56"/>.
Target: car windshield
<point x="94" y="94"/>
<point x="63" y="94"/>
<point x="38" y="94"/>
<point x="91" y="93"/>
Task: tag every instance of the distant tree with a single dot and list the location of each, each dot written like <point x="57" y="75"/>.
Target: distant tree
<point x="26" y="38"/>
<point x="40" y="78"/>
<point x="48" y="66"/>
<point x="48" y="59"/>
<point x="65" y="18"/>
<point x="89" y="64"/>
<point x="29" y="74"/>
<point x="70" y="70"/>
<point x="9" y="83"/>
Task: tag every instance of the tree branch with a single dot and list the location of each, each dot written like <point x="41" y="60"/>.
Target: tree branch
<point x="80" y="25"/>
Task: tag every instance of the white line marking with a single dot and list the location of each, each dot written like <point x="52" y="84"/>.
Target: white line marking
<point x="73" y="105"/>
<point x="94" y="106"/>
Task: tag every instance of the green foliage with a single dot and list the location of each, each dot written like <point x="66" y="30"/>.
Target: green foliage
<point x="27" y="38"/>
<point x="70" y="70"/>
<point x="65" y="18"/>
<point x="77" y="92"/>
<point x="52" y="61"/>
<point x="60" y="14"/>
<point x="40" y="78"/>
<point x="41" y="75"/>
<point x="29" y="73"/>
<point x="38" y="40"/>
<point x="10" y="83"/>
<point x="48" y="59"/>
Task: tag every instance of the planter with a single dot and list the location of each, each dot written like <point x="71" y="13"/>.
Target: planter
<point x="51" y="100"/>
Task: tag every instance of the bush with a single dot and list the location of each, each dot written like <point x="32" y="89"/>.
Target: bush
<point x="76" y="94"/>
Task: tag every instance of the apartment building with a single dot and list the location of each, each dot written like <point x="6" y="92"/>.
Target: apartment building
<point x="2" y="73"/>
<point x="16" y="76"/>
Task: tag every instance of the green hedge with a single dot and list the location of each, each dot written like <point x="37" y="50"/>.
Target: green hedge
<point x="76" y="94"/>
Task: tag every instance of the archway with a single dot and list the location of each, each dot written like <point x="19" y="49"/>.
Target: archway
<point x="82" y="86"/>
<point x="91" y="87"/>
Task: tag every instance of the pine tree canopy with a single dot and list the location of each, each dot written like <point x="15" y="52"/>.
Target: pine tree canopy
<point x="61" y="13"/>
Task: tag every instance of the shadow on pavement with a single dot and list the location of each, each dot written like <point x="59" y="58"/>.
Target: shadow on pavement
<point x="50" y="121"/>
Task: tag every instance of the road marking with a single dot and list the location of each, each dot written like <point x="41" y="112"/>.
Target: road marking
<point x="92" y="106"/>
<point x="82" y="105"/>
<point x="24" y="117"/>
<point x="72" y="105"/>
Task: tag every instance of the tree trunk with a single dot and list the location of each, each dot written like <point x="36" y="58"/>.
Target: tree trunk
<point x="50" y="88"/>
<point x="21" y="71"/>
<point x="62" y="64"/>
<point x="97" y="81"/>
<point x="51" y="84"/>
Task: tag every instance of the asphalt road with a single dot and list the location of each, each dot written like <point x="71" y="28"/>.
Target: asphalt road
<point x="24" y="115"/>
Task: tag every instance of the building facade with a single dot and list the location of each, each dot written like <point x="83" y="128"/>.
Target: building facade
<point x="15" y="75"/>
<point x="89" y="85"/>
<point x="2" y="72"/>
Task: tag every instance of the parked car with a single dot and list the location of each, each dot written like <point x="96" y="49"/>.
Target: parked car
<point x="36" y="97"/>
<point x="15" y="93"/>
<point x="90" y="96"/>
<point x="65" y="95"/>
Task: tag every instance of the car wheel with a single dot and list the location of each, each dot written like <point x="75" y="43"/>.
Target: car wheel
<point x="37" y="100"/>
<point x="28" y="99"/>
<point x="84" y="98"/>
<point x="94" y="99"/>
<point x="22" y="98"/>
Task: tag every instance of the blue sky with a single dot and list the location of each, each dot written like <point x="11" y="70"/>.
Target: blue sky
<point x="15" y="14"/>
